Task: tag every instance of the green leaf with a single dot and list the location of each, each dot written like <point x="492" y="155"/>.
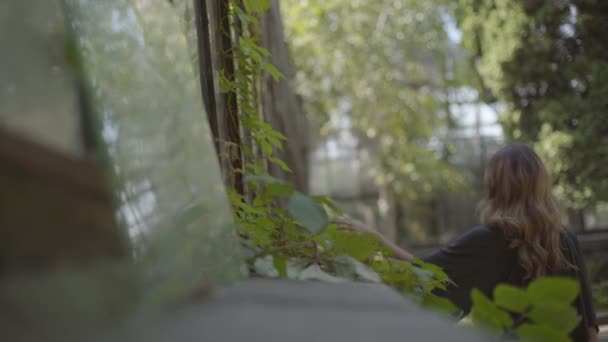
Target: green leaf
<point x="245" y="18"/>
<point x="326" y="201"/>
<point x="276" y="134"/>
<point x="358" y="245"/>
<point x="279" y="162"/>
<point x="437" y="271"/>
<point x="381" y="265"/>
<point x="275" y="142"/>
<point x="439" y="303"/>
<point x="273" y="71"/>
<point x="486" y="312"/>
<point x="266" y="147"/>
<point x="424" y="276"/>
<point x="558" y="317"/>
<point x="274" y="190"/>
<point x="511" y="298"/>
<point x="480" y="299"/>
<point x="557" y="290"/>
<point x="225" y="85"/>
<point x="307" y="212"/>
<point x="280" y="265"/>
<point x="273" y="186"/>
<point x="263" y="179"/>
<point x="257" y="6"/>
<point x="539" y="333"/>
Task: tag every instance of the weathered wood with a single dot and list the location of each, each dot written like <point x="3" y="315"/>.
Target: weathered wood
<point x="281" y="106"/>
<point x="231" y="111"/>
<point x="206" y="74"/>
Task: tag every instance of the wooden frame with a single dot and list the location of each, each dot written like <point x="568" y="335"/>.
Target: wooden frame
<point x="54" y="209"/>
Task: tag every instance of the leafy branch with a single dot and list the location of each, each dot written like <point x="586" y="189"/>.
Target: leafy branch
<point x="542" y="312"/>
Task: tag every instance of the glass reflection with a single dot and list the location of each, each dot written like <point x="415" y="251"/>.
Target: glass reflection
<point x="150" y="117"/>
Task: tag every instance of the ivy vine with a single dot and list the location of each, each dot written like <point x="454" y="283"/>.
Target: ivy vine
<point x="298" y="240"/>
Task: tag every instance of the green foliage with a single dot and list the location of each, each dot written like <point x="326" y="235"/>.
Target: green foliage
<point x="600" y="295"/>
<point x="358" y="245"/>
<point x="544" y="61"/>
<point x="511" y="298"/>
<point x="308" y="212"/>
<point x="417" y="278"/>
<point x="257" y="6"/>
<point x="384" y="67"/>
<point x="296" y="240"/>
<point x="250" y="63"/>
<point x="299" y="243"/>
<point x="548" y="290"/>
<point x="486" y="312"/>
<point x="542" y="312"/>
<point x="540" y="333"/>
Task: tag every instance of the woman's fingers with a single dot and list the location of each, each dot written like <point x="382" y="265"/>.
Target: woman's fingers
<point x="351" y="224"/>
<point x="344" y="223"/>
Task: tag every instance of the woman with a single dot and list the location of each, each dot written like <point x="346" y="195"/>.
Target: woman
<point x="521" y="237"/>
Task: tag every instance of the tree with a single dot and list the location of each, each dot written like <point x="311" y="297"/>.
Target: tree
<point x="280" y="104"/>
<point x="386" y="66"/>
<point x="547" y="61"/>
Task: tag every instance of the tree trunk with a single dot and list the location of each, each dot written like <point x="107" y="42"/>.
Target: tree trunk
<point x="282" y="107"/>
<point x="231" y="111"/>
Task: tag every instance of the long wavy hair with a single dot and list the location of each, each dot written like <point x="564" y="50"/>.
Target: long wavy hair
<point x="518" y="201"/>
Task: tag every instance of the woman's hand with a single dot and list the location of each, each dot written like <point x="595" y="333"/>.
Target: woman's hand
<point x="355" y="226"/>
<point x="358" y="226"/>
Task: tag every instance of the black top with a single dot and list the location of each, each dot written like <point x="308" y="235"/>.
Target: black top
<point x="482" y="259"/>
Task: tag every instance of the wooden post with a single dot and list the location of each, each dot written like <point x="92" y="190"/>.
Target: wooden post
<point x="233" y="136"/>
<point x="206" y="69"/>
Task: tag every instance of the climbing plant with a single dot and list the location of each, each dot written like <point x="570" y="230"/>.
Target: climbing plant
<point x="284" y="232"/>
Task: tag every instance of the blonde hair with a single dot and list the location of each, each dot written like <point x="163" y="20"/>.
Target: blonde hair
<point x="518" y="201"/>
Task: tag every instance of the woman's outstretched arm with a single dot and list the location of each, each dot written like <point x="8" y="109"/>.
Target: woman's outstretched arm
<point x="357" y="226"/>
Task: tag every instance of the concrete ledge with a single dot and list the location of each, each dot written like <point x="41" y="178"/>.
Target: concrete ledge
<point x="277" y="311"/>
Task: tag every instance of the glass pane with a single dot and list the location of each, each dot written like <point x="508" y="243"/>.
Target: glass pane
<point x="37" y="89"/>
<point x="160" y="153"/>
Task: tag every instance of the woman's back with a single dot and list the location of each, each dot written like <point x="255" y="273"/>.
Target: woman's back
<point x="478" y="259"/>
<point x="483" y="258"/>
<point x="521" y="237"/>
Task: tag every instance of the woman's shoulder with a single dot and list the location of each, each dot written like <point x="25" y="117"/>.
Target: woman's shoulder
<point x="484" y="233"/>
<point x="482" y="236"/>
